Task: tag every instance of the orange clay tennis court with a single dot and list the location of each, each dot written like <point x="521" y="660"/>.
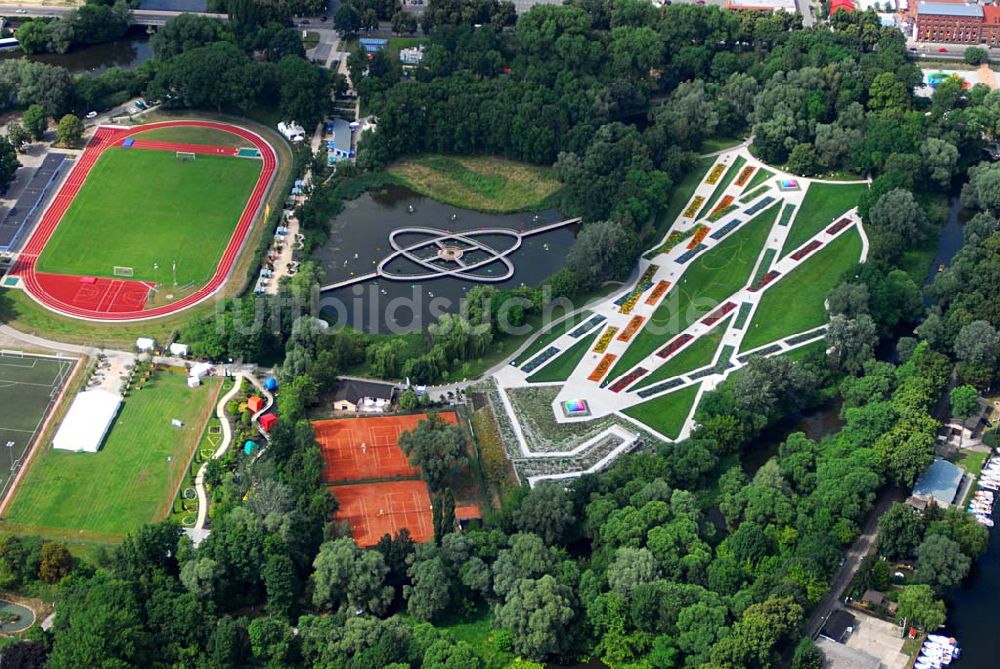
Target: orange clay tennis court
<point x="374" y="510"/>
<point x="355" y="449"/>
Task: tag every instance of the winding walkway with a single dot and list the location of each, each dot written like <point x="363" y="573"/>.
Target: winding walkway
<point x="227" y="437"/>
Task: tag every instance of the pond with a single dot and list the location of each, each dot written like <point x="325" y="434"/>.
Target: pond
<point x="130" y="51"/>
<point x="14" y="617"/>
<point x="816" y="424"/>
<point x="436" y="254"/>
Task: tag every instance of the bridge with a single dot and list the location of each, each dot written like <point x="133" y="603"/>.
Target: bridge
<point x="448" y="253"/>
<point x="140" y="17"/>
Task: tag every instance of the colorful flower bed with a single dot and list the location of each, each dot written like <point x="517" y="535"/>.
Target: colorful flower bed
<point x="838" y="226"/>
<point x="658" y="291"/>
<point x="602" y="367"/>
<point x="744" y="176"/>
<point x="724" y="205"/>
<point x="672" y="347"/>
<point x="672" y="240"/>
<point x="716" y="172"/>
<point x="806" y="250"/>
<point x="606" y="337"/>
<point x="627" y="380"/>
<point x="632" y="327"/>
<point x="700" y="232"/>
<point x="627" y="302"/>
<point x="714" y="317"/>
<point x="694" y="206"/>
<point x="767" y="278"/>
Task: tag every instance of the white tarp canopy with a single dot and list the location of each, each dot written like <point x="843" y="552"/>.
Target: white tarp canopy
<point x="87" y="421"/>
<point x="201" y="369"/>
<point x="178" y="349"/>
<point x="145" y="344"/>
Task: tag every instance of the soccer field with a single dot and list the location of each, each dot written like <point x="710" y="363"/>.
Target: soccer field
<point x="149" y="210"/>
<point x="28" y="387"/>
<point x="131" y="481"/>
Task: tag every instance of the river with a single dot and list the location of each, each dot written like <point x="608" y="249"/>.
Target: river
<point x="131" y="51"/>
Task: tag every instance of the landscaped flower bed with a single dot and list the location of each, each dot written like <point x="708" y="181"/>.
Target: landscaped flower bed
<point x="627" y="302"/>
<point x="694" y="206"/>
<point x="724" y="206"/>
<point x="632" y="327"/>
<point x="670" y="348"/>
<point x="714" y="317"/>
<point x="806" y="250"/>
<point x="658" y="291"/>
<point x="716" y="172"/>
<point x="768" y="278"/>
<point x="602" y="367"/>
<point x="673" y="239"/>
<point x="838" y="226"/>
<point x="744" y="176"/>
<point x="627" y="380"/>
<point x="605" y="339"/>
<point x="700" y="232"/>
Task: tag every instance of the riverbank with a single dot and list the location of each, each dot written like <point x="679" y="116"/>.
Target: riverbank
<point x="480" y="183"/>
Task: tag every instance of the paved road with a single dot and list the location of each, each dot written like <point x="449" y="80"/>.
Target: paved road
<point x="141" y="16"/>
<point x="859" y="549"/>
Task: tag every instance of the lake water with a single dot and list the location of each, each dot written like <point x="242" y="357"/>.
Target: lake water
<point x="131" y="51"/>
<point x="360" y="240"/>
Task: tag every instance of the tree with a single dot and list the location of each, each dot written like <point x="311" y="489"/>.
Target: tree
<point x="917" y="606"/>
<point x="964" y="401"/>
<point x="403" y="22"/>
<point x="803" y="160"/>
<point x="444" y="514"/>
<point x="632" y="567"/>
<point x="55" y="563"/>
<point x="900" y="531"/>
<point x="977" y="346"/>
<point x="807" y="655"/>
<point x="539" y="612"/>
<point x="547" y="511"/>
<point x="408" y="400"/>
<point x="17" y="135"/>
<point x="848" y="299"/>
<point x="343" y="574"/>
<point x="975" y="55"/>
<point x="183" y="33"/>
<point x="851" y="342"/>
<point x="69" y="131"/>
<point x="8" y="161"/>
<point x="603" y="251"/>
<point x="941" y="563"/>
<point x="940" y="159"/>
<point x="36" y="121"/>
<point x="347" y="20"/>
<point x="688" y="117"/>
<point x="897" y="222"/>
<point x="430" y="592"/>
<point x="435" y="447"/>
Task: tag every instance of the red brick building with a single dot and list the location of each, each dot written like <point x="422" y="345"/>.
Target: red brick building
<point x="950" y="22"/>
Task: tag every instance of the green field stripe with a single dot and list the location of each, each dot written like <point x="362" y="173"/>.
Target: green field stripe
<point x="786" y="214"/>
<point x="550" y="336"/>
<point x="759" y="177"/>
<point x="823" y="203"/>
<point x="765" y="265"/>
<point x="666" y="414"/>
<point x="741" y="317"/>
<point x="563" y="365"/>
<point x="720" y="188"/>
<point x="697" y="354"/>
<point x="754" y="194"/>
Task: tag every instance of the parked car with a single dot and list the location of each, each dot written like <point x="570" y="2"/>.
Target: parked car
<point x="92" y="114"/>
<point x="942" y="50"/>
<point x="20" y="10"/>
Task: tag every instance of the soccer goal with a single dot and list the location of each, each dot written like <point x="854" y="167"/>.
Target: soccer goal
<point x="185" y="156"/>
<point x="123" y="271"/>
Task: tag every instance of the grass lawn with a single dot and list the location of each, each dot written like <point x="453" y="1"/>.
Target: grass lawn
<point x="146" y="210"/>
<point x="713" y="144"/>
<point x="679" y="196"/>
<point x="795" y="303"/>
<point x="799" y="354"/>
<point x="482" y="183"/>
<point x="711" y="278"/>
<point x="310" y="40"/>
<point x="720" y="188"/>
<point x="563" y="365"/>
<point x="192" y="135"/>
<point x="695" y="356"/>
<point x="129" y="482"/>
<point x="759" y="177"/>
<point x="822" y="203"/>
<point x="666" y="414"/>
<point x="476" y="630"/>
<point x="554" y="333"/>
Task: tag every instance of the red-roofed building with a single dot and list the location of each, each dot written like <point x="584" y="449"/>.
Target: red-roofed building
<point x="990" y="31"/>
<point x="846" y="5"/>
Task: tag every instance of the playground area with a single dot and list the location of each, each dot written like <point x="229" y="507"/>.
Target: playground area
<point x="374" y="509"/>
<point x="742" y="272"/>
<point x="146" y="225"/>
<point x="29" y="387"/>
<point x="356" y="449"/>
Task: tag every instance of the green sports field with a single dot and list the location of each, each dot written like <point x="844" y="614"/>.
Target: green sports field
<point x="29" y="386"/>
<point x="148" y="210"/>
<point x="130" y="481"/>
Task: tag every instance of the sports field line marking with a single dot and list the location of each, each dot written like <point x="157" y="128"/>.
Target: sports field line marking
<point x="11" y="382"/>
<point x="15" y="429"/>
<point x="34" y="363"/>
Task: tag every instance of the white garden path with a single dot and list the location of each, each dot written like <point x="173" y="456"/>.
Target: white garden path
<point x="602" y="401"/>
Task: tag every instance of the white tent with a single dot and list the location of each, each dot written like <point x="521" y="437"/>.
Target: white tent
<point x="145" y="344"/>
<point x="201" y="369"/>
<point x="178" y="349"/>
<point x="88" y="420"/>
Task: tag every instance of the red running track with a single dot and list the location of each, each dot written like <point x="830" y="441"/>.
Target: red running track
<point x="65" y="294"/>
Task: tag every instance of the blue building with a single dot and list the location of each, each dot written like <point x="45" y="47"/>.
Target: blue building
<point x="339" y="147"/>
<point x="373" y="44"/>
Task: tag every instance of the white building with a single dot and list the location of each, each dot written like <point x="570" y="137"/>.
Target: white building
<point x="292" y="131"/>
